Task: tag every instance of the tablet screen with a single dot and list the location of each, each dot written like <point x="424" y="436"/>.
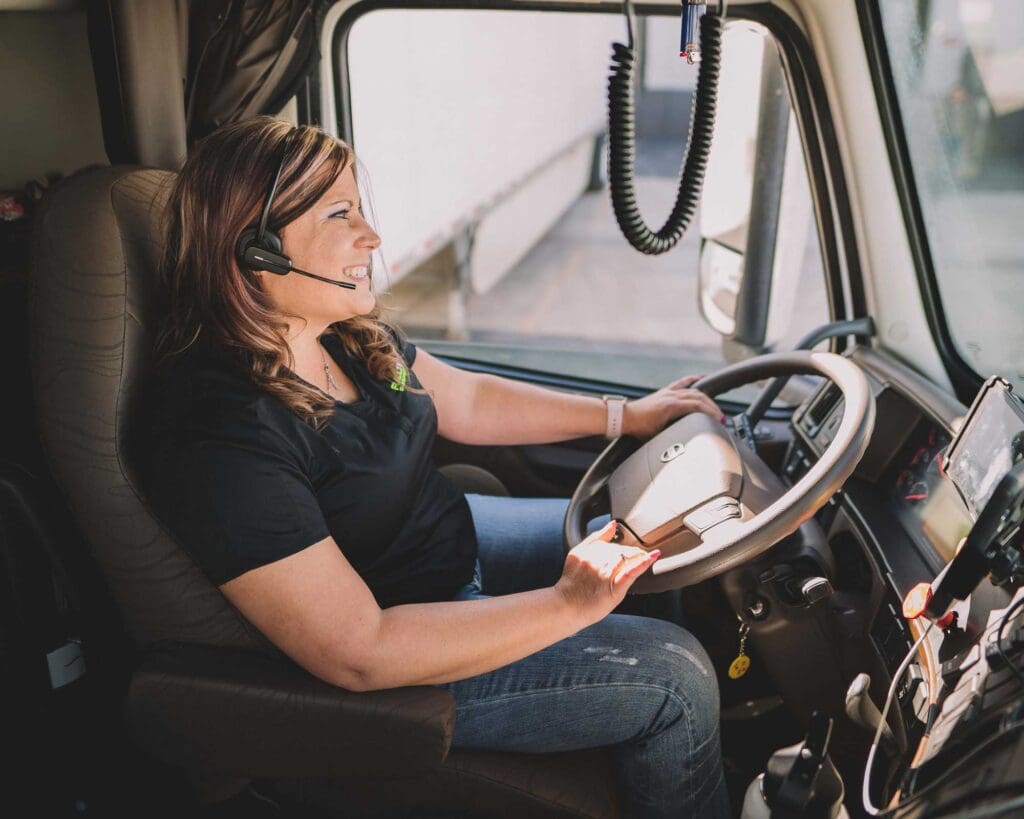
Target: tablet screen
<point x="991" y="442"/>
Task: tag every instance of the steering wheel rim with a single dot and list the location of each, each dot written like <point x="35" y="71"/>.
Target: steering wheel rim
<point x="741" y="541"/>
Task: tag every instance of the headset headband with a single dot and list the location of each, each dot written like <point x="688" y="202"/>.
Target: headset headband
<point x="262" y="228"/>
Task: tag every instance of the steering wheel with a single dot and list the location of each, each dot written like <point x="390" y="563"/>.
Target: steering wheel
<point x="703" y="496"/>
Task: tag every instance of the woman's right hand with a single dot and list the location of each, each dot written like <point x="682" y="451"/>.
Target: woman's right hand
<point x="598" y="573"/>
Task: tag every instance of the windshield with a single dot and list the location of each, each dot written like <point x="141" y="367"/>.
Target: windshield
<point x="504" y="248"/>
<point x="958" y="69"/>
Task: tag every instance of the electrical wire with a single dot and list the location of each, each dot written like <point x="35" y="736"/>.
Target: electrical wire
<point x="1013" y="727"/>
<point x="960" y="761"/>
<point x="999" y="640"/>
<point x="934" y="683"/>
<point x="866" y="788"/>
<point x="622" y="137"/>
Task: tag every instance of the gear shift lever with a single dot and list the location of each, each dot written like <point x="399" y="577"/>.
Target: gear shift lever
<point x="800" y="781"/>
<point x="863" y="711"/>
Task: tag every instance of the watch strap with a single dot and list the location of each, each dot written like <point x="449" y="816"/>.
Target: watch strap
<point x="615" y="406"/>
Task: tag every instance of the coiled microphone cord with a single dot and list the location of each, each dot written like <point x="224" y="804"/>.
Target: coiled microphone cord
<point x="622" y="139"/>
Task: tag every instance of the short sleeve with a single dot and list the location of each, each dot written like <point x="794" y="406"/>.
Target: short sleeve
<point x="405" y="347"/>
<point x="235" y="508"/>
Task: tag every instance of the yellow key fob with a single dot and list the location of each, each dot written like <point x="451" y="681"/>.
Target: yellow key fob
<point x="739" y="667"/>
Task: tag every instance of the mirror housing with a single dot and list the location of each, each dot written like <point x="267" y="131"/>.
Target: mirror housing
<point x="754" y="187"/>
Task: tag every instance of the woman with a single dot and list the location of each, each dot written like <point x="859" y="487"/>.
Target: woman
<point x="292" y="458"/>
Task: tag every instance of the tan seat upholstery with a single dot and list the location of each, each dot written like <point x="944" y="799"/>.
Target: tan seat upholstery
<point x="212" y="696"/>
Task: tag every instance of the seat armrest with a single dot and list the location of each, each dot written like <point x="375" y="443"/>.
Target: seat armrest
<point x="239" y="712"/>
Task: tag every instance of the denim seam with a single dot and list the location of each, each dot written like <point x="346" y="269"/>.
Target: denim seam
<point x="685" y="707"/>
<point x="521" y="694"/>
<point x="683" y="704"/>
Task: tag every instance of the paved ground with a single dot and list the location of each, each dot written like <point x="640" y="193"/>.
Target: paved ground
<point x="584" y="290"/>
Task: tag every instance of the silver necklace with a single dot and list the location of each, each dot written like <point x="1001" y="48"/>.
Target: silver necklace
<point x="331" y="383"/>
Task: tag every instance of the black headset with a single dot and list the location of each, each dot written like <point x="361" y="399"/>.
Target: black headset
<point x="259" y="248"/>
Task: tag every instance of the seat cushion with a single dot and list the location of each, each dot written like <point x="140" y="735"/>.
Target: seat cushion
<point x="481" y="784"/>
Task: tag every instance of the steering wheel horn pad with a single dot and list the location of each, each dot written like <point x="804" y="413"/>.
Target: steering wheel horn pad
<point x="702" y="496"/>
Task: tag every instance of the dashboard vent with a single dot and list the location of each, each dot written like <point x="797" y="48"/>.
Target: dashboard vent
<point x="820" y="409"/>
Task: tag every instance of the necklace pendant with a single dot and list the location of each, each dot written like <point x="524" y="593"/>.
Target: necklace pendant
<point x="331" y="383"/>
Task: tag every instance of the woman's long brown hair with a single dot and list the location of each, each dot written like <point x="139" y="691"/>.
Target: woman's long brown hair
<point x="220" y="191"/>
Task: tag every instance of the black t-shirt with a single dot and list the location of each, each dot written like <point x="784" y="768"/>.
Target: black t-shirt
<point x="242" y="482"/>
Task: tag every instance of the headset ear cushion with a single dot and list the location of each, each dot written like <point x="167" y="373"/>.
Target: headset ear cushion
<point x="271" y="241"/>
<point x="246" y="240"/>
<point x="253" y="255"/>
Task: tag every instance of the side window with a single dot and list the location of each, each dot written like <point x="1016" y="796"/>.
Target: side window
<point x="481" y="138"/>
<point x="958" y="72"/>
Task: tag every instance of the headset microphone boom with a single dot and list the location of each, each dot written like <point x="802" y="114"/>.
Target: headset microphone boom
<point x="257" y="257"/>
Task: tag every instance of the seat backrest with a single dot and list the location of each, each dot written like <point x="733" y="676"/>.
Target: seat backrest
<point x="95" y="253"/>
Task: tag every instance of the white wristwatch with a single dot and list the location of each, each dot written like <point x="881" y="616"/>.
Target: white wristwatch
<point x="615" y="405"/>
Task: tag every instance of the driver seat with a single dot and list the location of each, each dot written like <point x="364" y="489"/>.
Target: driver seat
<point x="209" y="695"/>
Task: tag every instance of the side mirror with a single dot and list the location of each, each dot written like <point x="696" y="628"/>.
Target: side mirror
<point x="756" y="209"/>
<point x="721" y="273"/>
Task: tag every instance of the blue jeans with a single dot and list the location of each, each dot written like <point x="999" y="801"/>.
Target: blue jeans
<point x="642" y="688"/>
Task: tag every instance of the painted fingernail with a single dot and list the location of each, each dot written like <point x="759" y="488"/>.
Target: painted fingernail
<point x="722" y="417"/>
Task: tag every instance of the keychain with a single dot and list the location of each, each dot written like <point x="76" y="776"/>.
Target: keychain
<point x="739" y="666"/>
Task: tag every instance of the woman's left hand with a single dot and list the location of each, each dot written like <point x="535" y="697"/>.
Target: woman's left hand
<point x="647" y="416"/>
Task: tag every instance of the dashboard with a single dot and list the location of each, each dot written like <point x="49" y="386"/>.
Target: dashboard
<point x="921" y="485"/>
<point x="931" y="464"/>
<point x="902" y="474"/>
<point x="923" y="498"/>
